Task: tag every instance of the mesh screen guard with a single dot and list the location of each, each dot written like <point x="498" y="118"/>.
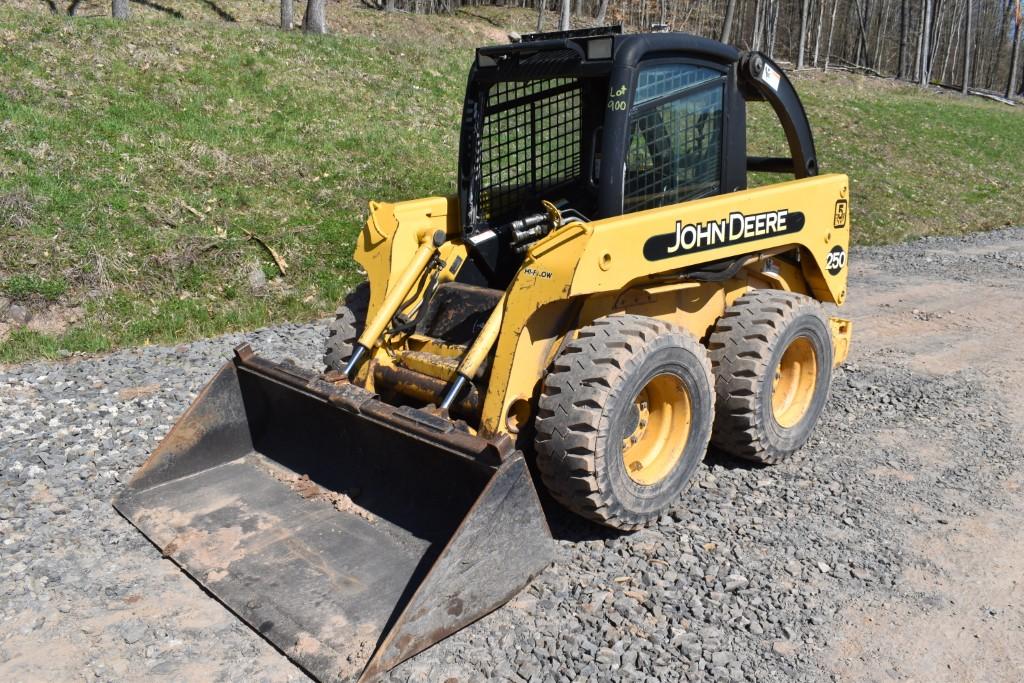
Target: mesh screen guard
<point x="530" y="143"/>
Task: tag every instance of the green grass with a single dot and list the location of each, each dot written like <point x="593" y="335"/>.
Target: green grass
<point x="21" y="286"/>
<point x="920" y="163"/>
<point x="135" y="159"/>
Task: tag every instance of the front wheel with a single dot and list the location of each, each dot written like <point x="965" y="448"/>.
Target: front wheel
<point x="624" y="419"/>
<point x="348" y="323"/>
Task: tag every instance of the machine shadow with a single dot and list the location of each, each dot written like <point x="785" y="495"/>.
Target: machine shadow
<point x="730" y="462"/>
<point x="568" y="526"/>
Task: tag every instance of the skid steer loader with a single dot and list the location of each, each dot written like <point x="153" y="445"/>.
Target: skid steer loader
<point x="603" y="295"/>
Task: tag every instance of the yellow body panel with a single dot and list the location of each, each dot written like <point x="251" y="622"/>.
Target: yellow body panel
<point x="583" y="271"/>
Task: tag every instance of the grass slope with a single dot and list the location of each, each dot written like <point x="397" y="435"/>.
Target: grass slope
<point x="135" y="159"/>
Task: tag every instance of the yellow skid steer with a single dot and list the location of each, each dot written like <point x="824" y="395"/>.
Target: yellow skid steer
<point x="601" y="299"/>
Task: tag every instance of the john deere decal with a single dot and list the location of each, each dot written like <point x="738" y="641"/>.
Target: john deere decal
<point x="690" y="238"/>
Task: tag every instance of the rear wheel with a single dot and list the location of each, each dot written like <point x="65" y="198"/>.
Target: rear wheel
<point x="346" y="328"/>
<point x="624" y="419"/>
<point x="772" y="356"/>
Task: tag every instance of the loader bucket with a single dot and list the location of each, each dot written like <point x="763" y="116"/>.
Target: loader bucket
<point x="349" y="533"/>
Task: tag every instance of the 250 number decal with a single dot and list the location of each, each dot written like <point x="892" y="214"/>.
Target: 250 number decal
<point x="835" y="260"/>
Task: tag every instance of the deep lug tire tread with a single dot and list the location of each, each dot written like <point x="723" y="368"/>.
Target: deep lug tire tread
<point x="348" y="323"/>
<point x="582" y="381"/>
<point x="743" y="347"/>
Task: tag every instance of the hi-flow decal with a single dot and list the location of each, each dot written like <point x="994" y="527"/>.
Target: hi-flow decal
<point x="689" y="238"/>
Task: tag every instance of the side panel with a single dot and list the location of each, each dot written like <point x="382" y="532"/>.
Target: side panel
<point x="693" y="306"/>
<point x="609" y="257"/>
<point x="801" y="213"/>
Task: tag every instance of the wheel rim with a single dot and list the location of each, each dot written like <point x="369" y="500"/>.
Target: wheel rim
<point x="658" y="427"/>
<point x="795" y="379"/>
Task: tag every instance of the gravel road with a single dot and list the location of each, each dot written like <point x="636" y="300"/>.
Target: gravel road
<point x="891" y="548"/>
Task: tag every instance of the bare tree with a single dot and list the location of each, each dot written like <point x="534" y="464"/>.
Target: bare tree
<point x="287" y="11"/>
<point x="602" y="12"/>
<point x="565" y="22"/>
<point x="817" y="36"/>
<point x="968" y="43"/>
<point x="315" y="20"/>
<point x="540" y="15"/>
<point x="730" y="9"/>
<point x="924" y="61"/>
<point x="119" y="9"/>
<point x="804" y="9"/>
<point x="903" y="65"/>
<point x="1011" y="84"/>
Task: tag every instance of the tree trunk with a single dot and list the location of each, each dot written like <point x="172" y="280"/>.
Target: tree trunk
<point x="805" y="7"/>
<point x="119" y="9"/>
<point x="925" y="62"/>
<point x="602" y="12"/>
<point x="1011" y="85"/>
<point x="817" y="37"/>
<point x="952" y="42"/>
<point x="287" y="11"/>
<point x="315" y="20"/>
<point x="862" y="44"/>
<point x="902" y="68"/>
<point x="730" y="9"/>
<point x="759" y="13"/>
<point x="968" y="41"/>
<point x="540" y="15"/>
<point x="883" y="23"/>
<point x="831" y="30"/>
<point x="565" y="22"/>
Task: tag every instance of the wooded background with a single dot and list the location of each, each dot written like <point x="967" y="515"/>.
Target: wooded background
<point x="962" y="43"/>
<point x="970" y="45"/>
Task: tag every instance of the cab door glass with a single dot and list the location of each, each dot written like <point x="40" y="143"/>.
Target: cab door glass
<point x="675" y="143"/>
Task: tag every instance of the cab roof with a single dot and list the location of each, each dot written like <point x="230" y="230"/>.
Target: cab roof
<point x="592" y="51"/>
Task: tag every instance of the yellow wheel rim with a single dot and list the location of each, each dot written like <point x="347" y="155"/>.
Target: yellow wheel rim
<point x="658" y="429"/>
<point x="795" y="379"/>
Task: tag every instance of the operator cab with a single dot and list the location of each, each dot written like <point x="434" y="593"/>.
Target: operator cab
<point x="590" y="124"/>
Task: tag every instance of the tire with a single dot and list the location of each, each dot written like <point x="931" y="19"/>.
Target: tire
<point x="627" y="386"/>
<point x="346" y="328"/>
<point x="768" y="395"/>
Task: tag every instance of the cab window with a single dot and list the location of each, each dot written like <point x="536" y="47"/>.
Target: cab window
<point x="675" y="136"/>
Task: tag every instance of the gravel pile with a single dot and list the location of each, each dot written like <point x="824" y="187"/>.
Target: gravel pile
<point x="742" y="580"/>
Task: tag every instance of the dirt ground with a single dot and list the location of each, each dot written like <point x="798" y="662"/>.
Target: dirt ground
<point x="959" y="615"/>
<point x="890" y="549"/>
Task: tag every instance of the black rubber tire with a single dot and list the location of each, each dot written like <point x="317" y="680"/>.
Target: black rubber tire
<point x="346" y="328"/>
<point x="746" y="347"/>
<point x="582" y="414"/>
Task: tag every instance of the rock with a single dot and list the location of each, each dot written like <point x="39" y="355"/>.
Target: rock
<point x="18" y="314"/>
<point x="735" y="582"/>
<point x="608" y="657"/>
<point x="257" y="278"/>
<point x="134" y="633"/>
